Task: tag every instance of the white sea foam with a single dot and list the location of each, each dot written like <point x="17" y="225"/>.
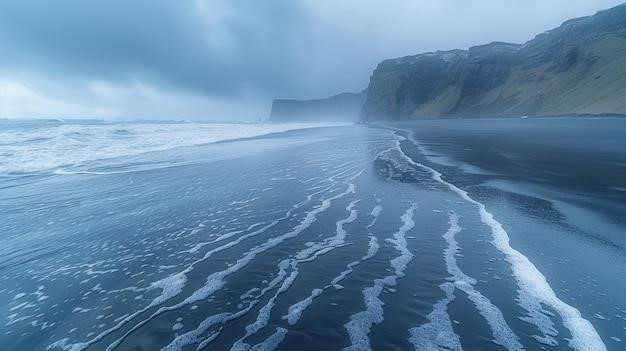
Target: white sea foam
<point x="170" y="287"/>
<point x="399" y="241"/>
<point x="18" y="296"/>
<point x="534" y="289"/>
<point x="375" y="213"/>
<point x="360" y="323"/>
<point x="344" y="274"/>
<point x="50" y="147"/>
<point x="310" y="253"/>
<point x="295" y="310"/>
<point x="272" y="342"/>
<point x="265" y="311"/>
<point x="502" y="333"/>
<point x="340" y="235"/>
<point x="195" y="336"/>
<point x="372" y="248"/>
<point x="64" y="345"/>
<point x="371" y="251"/>
<point x="437" y="335"/>
<point x="216" y="281"/>
<point x="373" y="243"/>
<point x="173" y="291"/>
<point x="222" y="237"/>
<point x="243" y="202"/>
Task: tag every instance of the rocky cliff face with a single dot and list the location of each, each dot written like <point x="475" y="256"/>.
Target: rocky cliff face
<point x="577" y="68"/>
<point x="342" y="107"/>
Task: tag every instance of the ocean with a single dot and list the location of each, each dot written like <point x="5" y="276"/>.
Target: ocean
<point x="484" y="234"/>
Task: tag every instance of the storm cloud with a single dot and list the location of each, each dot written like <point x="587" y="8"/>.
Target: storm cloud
<point x="226" y="59"/>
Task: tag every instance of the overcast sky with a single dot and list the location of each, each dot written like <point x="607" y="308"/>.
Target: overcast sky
<point x="227" y="59"/>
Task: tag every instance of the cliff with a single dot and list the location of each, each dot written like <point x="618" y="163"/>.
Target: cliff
<point x="577" y="68"/>
<point x="342" y="107"/>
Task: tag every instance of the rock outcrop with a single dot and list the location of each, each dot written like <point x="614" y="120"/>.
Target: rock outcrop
<point x="577" y="68"/>
<point x="342" y="107"/>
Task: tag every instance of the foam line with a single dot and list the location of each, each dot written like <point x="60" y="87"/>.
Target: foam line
<point x="340" y="235"/>
<point x="438" y="334"/>
<point x="399" y="241"/>
<point x="215" y="281"/>
<point x="375" y="213"/>
<point x="222" y="237"/>
<point x="172" y="286"/>
<point x="502" y="333"/>
<point x="344" y="174"/>
<point x="306" y="255"/>
<point x="531" y="282"/>
<point x="360" y="324"/>
<point x="295" y="310"/>
<point x="272" y="342"/>
<point x="373" y="243"/>
<point x="194" y="336"/>
<point x="372" y="248"/>
<point x="265" y="311"/>
<point x="344" y="274"/>
<point x="178" y="278"/>
<point x="242" y="202"/>
<point x="371" y="251"/>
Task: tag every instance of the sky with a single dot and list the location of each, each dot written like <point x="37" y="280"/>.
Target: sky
<point x="227" y="59"/>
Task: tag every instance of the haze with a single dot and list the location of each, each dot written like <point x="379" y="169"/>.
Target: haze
<point x="226" y="60"/>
